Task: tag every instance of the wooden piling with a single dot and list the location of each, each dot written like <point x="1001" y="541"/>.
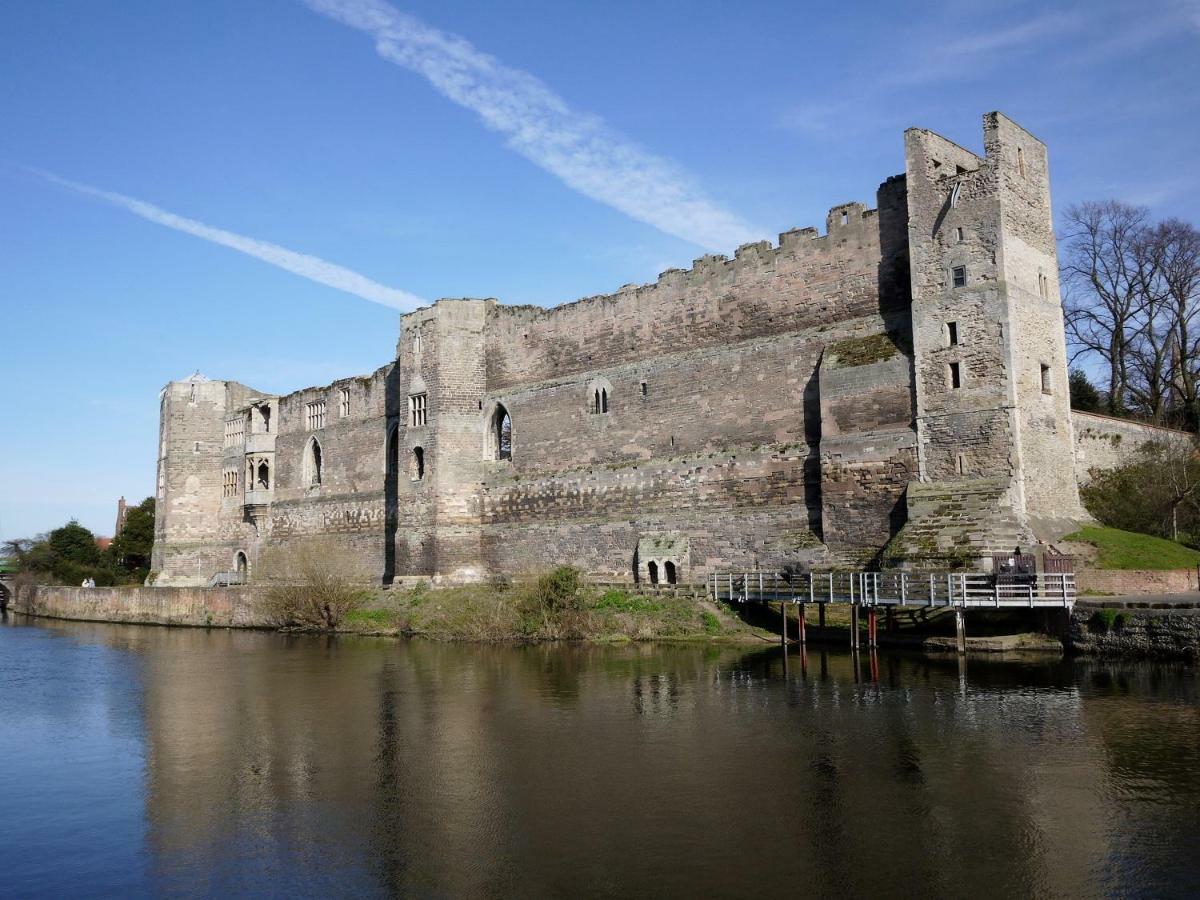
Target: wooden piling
<point x="800" y="625"/>
<point x="783" y="623"/>
<point x="872" y="625"/>
<point x="960" y="630"/>
<point x="821" y="618"/>
<point x="854" y="626"/>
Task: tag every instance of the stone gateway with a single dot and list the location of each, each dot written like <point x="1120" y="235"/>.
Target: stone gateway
<point x="892" y="389"/>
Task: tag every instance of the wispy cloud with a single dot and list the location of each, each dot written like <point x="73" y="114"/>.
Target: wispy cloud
<point x="311" y="267"/>
<point x="580" y="149"/>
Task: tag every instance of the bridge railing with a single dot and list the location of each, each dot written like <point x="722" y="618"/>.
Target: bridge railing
<point x="964" y="590"/>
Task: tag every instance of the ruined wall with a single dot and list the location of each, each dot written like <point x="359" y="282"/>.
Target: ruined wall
<point x="711" y="420"/>
<point x="1102" y="442"/>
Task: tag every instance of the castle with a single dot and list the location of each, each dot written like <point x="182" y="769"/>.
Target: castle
<point x="892" y="389"/>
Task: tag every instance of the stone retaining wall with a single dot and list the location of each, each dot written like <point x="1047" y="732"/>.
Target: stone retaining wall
<point x="218" y="607"/>
<point x="1160" y="633"/>
<point x="1136" y="581"/>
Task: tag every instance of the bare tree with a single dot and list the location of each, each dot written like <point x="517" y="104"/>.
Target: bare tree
<point x="311" y="582"/>
<point x="1104" y="299"/>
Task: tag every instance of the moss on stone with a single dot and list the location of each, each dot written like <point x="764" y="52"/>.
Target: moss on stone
<point x="863" y="351"/>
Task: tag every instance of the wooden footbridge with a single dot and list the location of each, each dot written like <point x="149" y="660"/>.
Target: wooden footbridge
<point x="869" y="592"/>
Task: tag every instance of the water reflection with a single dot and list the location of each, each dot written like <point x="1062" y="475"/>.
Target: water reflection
<point x="316" y="765"/>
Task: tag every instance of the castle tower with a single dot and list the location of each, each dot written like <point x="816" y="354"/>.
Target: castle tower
<point x="994" y="432"/>
<point x="189" y="490"/>
<point x="436" y="449"/>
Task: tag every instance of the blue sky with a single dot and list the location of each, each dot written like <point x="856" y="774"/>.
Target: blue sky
<point x="531" y="151"/>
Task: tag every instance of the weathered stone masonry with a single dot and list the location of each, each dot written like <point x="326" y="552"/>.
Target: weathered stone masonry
<point x="895" y="385"/>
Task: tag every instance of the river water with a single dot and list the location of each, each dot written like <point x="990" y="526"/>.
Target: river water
<point x="151" y="761"/>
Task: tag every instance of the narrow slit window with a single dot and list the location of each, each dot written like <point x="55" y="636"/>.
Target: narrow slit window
<point x="604" y="400"/>
<point x="959" y="234"/>
<point x="955" y="376"/>
<point x="959" y="276"/>
<point x="960" y="463"/>
<point x="645" y="389"/>
<point x="1021" y="162"/>
<point x="1045" y="379"/>
<point x="951" y="334"/>
<point x="418" y="463"/>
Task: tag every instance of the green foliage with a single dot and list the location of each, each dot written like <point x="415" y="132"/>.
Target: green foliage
<point x="74" y="544"/>
<point x="380" y="617"/>
<point x="619" y="601"/>
<point x="130" y="550"/>
<point x="1156" y="492"/>
<point x="1085" y="397"/>
<point x="558" y="590"/>
<point x="68" y="555"/>
<point x="1126" y="550"/>
<point x="1106" y="620"/>
<point x="712" y="625"/>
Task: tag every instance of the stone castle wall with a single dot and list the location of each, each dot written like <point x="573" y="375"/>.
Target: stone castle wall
<point x="759" y="411"/>
<point x="1102" y="442"/>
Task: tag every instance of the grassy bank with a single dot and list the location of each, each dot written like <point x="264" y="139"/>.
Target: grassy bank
<point x="1117" y="549"/>
<point x="543" y="610"/>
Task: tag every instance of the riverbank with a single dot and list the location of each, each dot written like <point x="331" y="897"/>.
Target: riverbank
<point x="1162" y="627"/>
<point x="479" y="613"/>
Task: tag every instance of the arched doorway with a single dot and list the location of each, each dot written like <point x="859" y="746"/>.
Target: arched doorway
<point x="502" y="433"/>
<point x="652" y="568"/>
<point x="669" y="570"/>
<point x="241" y="565"/>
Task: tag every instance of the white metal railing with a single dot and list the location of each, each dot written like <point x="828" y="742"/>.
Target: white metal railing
<point x="965" y="590"/>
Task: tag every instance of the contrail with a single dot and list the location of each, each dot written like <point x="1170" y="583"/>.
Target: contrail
<point x="578" y="148"/>
<point x="310" y="267"/>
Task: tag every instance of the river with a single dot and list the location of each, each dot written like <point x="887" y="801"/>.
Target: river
<point x="145" y="761"/>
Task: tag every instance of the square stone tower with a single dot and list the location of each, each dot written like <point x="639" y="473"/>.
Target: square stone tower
<point x="994" y="432"/>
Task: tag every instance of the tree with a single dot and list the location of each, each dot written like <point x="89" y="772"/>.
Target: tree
<point x="311" y="583"/>
<point x="1156" y="492"/>
<point x="75" y="544"/>
<point x="1104" y="300"/>
<point x="1132" y="304"/>
<point x="1084" y="396"/>
<point x="131" y="548"/>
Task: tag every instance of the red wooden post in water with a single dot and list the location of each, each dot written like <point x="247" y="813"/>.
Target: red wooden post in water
<point x="872" y="623"/>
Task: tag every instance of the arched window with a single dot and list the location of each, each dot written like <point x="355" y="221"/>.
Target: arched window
<point x="313" y="464"/>
<point x="502" y="433"/>
<point x="391" y="462"/>
<point x="669" y="569"/>
<point x="596" y="403"/>
<point x="652" y="567"/>
<point x="264" y="477"/>
<point x="604" y="400"/>
<point x="241" y="565"/>
<point x="418" y="463"/>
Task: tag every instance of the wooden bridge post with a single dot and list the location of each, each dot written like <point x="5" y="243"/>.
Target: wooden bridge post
<point x="783" y="622"/>
<point x="821" y="618"/>
<point x="854" y="626"/>
<point x="872" y="627"/>
<point x="800" y="625"/>
<point x="960" y="630"/>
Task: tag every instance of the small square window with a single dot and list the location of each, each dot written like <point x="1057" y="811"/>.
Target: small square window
<point x="959" y="274"/>
<point x="951" y="334"/>
<point x="955" y="376"/>
<point x="845" y="218"/>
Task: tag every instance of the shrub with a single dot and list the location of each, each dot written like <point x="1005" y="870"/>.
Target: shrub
<point x="310" y="583"/>
<point x="559" y="590"/>
<point x="712" y="625"/>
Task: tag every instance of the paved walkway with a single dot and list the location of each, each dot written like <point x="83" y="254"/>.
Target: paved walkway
<point x="1189" y="600"/>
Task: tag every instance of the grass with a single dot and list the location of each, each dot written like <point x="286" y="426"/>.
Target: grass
<point x="553" y="607"/>
<point x="1117" y="549"/>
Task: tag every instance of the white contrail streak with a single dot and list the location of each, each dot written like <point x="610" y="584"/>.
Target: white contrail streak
<point x="310" y="267"/>
<point x="580" y="149"/>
